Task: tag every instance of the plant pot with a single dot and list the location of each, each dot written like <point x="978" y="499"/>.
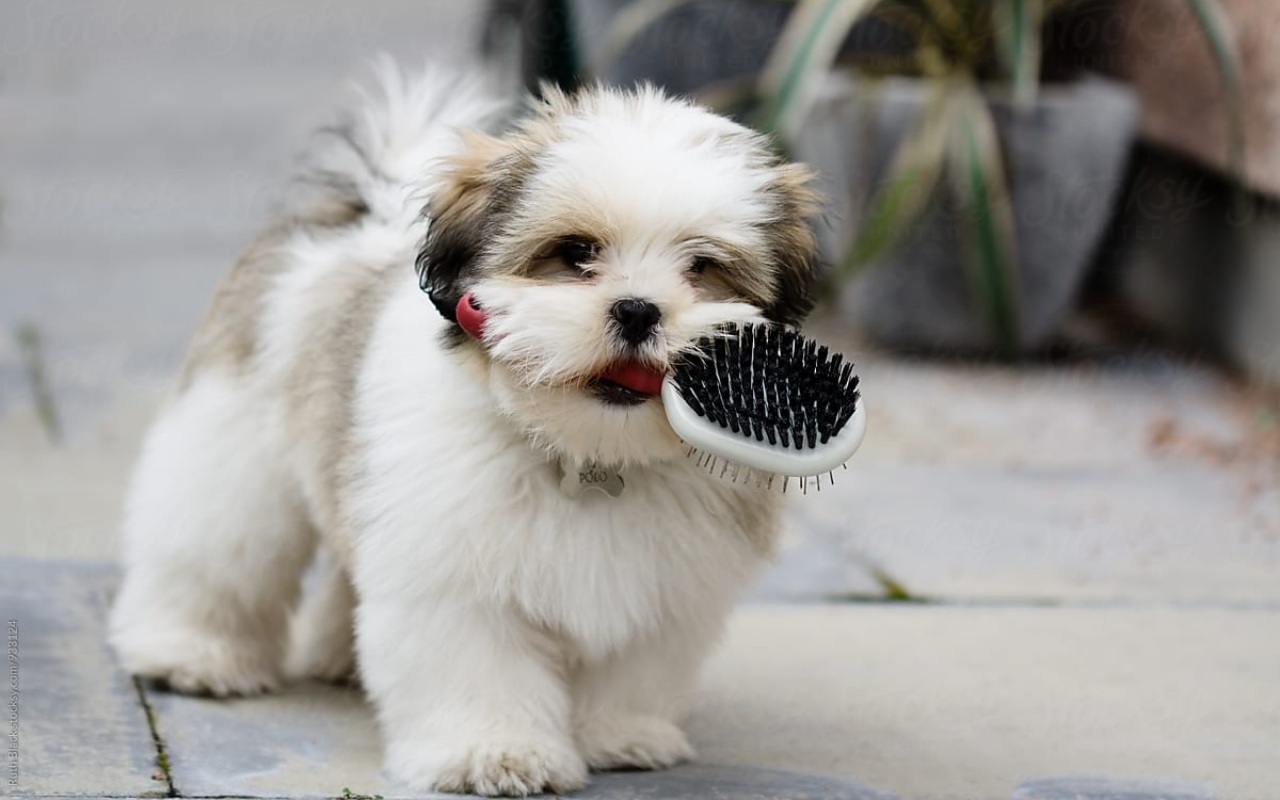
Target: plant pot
<point x="1064" y="160"/>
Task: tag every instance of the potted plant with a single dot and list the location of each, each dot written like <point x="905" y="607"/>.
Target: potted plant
<point x="977" y="196"/>
<point x="966" y="198"/>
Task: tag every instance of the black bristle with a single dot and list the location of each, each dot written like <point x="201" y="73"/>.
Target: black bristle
<point x="770" y="383"/>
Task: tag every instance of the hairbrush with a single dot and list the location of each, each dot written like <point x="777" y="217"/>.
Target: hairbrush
<point x="767" y="398"/>
<point x="758" y="396"/>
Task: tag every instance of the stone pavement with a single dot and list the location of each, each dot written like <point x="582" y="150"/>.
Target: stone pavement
<point x="1090" y="547"/>
<point x="963" y="702"/>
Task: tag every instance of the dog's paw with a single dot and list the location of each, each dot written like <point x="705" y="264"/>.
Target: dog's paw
<point x="201" y="663"/>
<point x="633" y="742"/>
<point x="240" y="680"/>
<point x="495" y="768"/>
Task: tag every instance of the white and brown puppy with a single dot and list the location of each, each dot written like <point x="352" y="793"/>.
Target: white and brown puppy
<point x="511" y="634"/>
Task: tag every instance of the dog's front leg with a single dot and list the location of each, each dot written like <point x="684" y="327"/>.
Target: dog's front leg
<point x="469" y="696"/>
<point x="628" y="706"/>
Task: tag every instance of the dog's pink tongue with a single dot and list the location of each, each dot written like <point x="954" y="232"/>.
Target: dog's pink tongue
<point x="636" y="377"/>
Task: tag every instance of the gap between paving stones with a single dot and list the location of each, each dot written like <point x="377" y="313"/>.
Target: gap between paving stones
<point x="162" y="753"/>
<point x="1125" y="603"/>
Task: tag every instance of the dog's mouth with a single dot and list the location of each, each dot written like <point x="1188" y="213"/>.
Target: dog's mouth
<point x="627" y="384"/>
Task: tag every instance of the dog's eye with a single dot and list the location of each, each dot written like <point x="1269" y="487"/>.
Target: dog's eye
<point x="702" y="263"/>
<point x="577" y="253"/>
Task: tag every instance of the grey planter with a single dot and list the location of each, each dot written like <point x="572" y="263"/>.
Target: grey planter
<point x="1065" y="162"/>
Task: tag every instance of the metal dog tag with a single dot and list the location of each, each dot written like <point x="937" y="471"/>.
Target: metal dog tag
<point x="576" y="478"/>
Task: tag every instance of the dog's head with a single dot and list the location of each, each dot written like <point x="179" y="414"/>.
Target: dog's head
<point x="601" y="238"/>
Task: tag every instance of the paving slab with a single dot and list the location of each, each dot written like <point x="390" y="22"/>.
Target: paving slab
<point x="1086" y="788"/>
<point x="1038" y="533"/>
<point x="941" y="702"/>
<point x="82" y="730"/>
<point x="954" y="702"/>
<point x="970" y="702"/>
<point x="1133" y="472"/>
<point x="317" y="741"/>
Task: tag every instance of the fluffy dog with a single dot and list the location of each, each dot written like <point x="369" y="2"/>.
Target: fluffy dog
<point x="511" y="633"/>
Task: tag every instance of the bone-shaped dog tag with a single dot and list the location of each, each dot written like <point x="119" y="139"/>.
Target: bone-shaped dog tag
<point x="577" y="478"/>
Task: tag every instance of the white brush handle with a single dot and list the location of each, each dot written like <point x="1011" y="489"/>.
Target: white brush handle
<point x="706" y="435"/>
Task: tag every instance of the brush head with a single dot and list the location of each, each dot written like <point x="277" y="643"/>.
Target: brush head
<point x="769" y="398"/>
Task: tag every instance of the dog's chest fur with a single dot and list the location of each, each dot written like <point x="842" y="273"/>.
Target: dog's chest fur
<point x="444" y="482"/>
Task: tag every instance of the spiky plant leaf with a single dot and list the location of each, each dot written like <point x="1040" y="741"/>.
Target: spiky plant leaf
<point x="977" y="176"/>
<point x="1212" y="21"/>
<point x="1017" y="31"/>
<point x="807" y="47"/>
<point x="909" y="184"/>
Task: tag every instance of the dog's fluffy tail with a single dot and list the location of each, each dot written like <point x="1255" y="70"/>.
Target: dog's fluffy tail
<point x="376" y="161"/>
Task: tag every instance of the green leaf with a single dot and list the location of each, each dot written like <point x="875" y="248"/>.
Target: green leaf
<point x="909" y="184"/>
<point x="893" y="588"/>
<point x="1209" y="16"/>
<point x="807" y="47"/>
<point x="978" y="179"/>
<point x="1017" y="31"/>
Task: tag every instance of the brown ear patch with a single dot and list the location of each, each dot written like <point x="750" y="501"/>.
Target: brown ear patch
<point x="476" y="189"/>
<point x="792" y="244"/>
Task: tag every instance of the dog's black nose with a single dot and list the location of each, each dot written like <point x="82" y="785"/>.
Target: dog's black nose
<point x="636" y="318"/>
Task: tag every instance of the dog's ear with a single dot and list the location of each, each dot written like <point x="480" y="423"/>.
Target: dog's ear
<point x="793" y="248"/>
<point x="464" y="211"/>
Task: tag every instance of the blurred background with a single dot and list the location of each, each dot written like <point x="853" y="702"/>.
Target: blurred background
<point x="1051" y="243"/>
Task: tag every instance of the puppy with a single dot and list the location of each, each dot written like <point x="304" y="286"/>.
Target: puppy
<point x="514" y="627"/>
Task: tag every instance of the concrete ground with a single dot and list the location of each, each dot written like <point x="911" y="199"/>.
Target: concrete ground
<point x="1091" y="546"/>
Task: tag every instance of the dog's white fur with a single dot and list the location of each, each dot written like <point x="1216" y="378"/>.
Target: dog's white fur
<point x="509" y="636"/>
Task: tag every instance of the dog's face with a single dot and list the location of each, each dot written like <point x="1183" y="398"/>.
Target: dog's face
<point x="601" y="238"/>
